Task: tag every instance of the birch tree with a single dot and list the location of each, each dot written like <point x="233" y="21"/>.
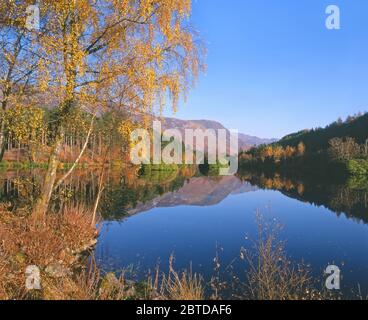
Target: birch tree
<point x="98" y="54"/>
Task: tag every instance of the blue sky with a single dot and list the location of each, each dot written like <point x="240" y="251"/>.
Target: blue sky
<point x="274" y="68"/>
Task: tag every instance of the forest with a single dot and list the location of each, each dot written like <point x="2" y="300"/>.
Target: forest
<point x="339" y="148"/>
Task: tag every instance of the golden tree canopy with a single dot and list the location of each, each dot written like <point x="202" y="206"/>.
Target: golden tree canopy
<point x="130" y="53"/>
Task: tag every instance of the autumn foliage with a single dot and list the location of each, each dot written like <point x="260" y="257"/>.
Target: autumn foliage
<point x="91" y="56"/>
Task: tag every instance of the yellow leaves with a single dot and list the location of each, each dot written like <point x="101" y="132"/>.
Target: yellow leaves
<point x="150" y="78"/>
<point x="77" y="122"/>
<point x="133" y="53"/>
<point x="25" y="123"/>
<point x="13" y="13"/>
<point x="146" y="7"/>
<point x="124" y="6"/>
<point x="187" y="42"/>
<point x="43" y="75"/>
<point x="125" y="129"/>
<point x="158" y="54"/>
<point x="184" y="7"/>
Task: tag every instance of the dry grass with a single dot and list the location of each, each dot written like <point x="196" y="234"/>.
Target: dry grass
<point x="174" y="285"/>
<point x="181" y="285"/>
<point x="55" y="246"/>
<point x="88" y="284"/>
<point x="270" y="274"/>
<point x="55" y="242"/>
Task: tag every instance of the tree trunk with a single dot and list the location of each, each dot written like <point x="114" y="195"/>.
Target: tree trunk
<point x="3" y="140"/>
<point x="76" y="161"/>
<point x="97" y="202"/>
<point x="42" y="204"/>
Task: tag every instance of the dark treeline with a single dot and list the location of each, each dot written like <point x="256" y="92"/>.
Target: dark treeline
<point x="319" y="138"/>
<point x="340" y="148"/>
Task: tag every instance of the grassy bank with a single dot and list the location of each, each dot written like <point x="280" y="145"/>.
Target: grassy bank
<point x="10" y="165"/>
<point x="18" y="165"/>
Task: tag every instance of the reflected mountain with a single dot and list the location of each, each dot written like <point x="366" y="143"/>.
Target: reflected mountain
<point x="198" y="191"/>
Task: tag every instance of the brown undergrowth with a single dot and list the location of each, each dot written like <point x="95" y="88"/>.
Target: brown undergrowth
<point x="53" y="246"/>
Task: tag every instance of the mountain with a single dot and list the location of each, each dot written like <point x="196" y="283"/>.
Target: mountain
<point x="245" y="141"/>
<point x="253" y="141"/>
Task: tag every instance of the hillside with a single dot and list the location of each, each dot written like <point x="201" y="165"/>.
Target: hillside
<point x="340" y="148"/>
<point x="318" y="139"/>
<point x="245" y="141"/>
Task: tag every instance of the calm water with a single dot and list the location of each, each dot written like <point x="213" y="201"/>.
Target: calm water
<point x="208" y="213"/>
<point x="147" y="219"/>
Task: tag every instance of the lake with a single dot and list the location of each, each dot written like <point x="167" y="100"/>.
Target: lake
<point x="195" y="218"/>
<point x="209" y="216"/>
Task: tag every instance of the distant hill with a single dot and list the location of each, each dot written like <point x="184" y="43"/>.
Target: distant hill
<point x="245" y="141"/>
<point x="318" y="139"/>
<point x="253" y="141"/>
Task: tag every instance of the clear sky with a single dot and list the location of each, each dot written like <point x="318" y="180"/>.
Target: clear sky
<point x="274" y="68"/>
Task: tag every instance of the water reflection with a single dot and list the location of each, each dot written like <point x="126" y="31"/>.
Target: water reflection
<point x="349" y="197"/>
<point x="128" y="193"/>
<point x="150" y="216"/>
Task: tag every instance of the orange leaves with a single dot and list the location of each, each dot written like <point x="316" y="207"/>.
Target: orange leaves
<point x="289" y="152"/>
<point x="301" y="149"/>
<point x="277" y="152"/>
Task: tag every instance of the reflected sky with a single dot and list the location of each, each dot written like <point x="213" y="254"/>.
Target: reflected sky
<point x="313" y="234"/>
